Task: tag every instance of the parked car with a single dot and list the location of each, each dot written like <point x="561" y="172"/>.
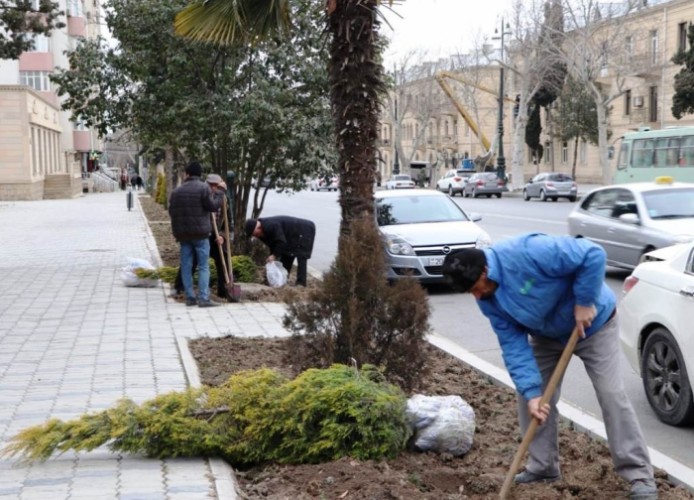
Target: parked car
<point x="400" y="181"/>
<point x="550" y="186"/>
<point x="656" y="330"/>
<point x="324" y="183"/>
<point x="453" y="181"/>
<point x="630" y="220"/>
<point x="420" y="228"/>
<point x="484" y="183"/>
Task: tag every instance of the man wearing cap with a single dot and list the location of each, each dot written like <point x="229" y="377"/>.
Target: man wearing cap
<point x="190" y="206"/>
<point x="534" y="289"/>
<point x="288" y="238"/>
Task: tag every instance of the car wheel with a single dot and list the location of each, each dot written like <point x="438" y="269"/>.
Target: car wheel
<point x="572" y="198"/>
<point x="665" y="379"/>
<point x="526" y="196"/>
<point x="543" y="195"/>
<point x="498" y="195"/>
<point x="451" y="193"/>
<point x="554" y="198"/>
<point x="489" y="196"/>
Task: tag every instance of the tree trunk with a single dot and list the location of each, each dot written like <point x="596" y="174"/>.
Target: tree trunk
<point x="602" y="143"/>
<point x="169" y="172"/>
<point x="356" y="83"/>
<point x="517" y="156"/>
<point x="573" y="167"/>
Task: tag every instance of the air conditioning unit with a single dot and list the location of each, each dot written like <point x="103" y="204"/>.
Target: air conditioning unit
<point x="638" y="101"/>
<point x="386" y="142"/>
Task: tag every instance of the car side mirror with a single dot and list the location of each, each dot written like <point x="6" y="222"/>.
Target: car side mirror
<point x="630" y="219"/>
<point x="475" y="217"/>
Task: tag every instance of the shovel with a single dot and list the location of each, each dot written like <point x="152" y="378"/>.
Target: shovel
<point x="233" y="291"/>
<point x="532" y="428"/>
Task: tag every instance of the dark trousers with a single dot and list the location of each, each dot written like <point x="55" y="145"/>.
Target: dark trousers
<point x="214" y="254"/>
<point x="288" y="260"/>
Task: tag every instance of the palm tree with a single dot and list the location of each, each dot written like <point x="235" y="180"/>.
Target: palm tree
<point x="356" y="76"/>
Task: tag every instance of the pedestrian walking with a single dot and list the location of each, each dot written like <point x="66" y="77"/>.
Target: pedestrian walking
<point x="535" y="289"/>
<point x="288" y="238"/>
<point x="190" y="206"/>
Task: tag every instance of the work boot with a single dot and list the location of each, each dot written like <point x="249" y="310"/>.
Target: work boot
<point x="530" y="477"/>
<point x="643" y="489"/>
<point x="191" y="301"/>
<point x="208" y="303"/>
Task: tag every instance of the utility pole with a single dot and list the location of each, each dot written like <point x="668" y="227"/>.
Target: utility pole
<point x="396" y="125"/>
<point x="500" y="158"/>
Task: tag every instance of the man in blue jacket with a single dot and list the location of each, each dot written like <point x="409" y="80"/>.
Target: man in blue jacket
<point x="534" y="289"/>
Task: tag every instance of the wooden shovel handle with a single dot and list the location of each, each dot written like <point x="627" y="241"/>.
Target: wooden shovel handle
<point x="546" y="396"/>
<point x="221" y="250"/>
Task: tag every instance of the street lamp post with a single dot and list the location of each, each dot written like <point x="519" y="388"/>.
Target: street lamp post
<point x="500" y="158"/>
<point x="396" y="126"/>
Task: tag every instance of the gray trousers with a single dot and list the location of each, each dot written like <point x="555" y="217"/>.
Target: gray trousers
<point x="600" y="355"/>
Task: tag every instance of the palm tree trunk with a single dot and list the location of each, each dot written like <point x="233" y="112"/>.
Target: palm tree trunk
<point x="356" y="82"/>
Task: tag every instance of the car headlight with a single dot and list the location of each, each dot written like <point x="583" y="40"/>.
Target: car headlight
<point x="483" y="241"/>
<point x="398" y="246"/>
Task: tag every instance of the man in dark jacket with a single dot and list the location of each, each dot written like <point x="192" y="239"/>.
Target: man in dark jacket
<point x="189" y="207"/>
<point x="288" y="238"/>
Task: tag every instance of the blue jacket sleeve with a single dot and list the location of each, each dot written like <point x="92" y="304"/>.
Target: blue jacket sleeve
<point x="517" y="353"/>
<point x="577" y="257"/>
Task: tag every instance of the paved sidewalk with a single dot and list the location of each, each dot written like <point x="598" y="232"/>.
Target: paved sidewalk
<point x="73" y="339"/>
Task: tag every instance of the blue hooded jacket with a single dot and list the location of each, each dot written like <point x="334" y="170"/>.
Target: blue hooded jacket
<point x="540" y="279"/>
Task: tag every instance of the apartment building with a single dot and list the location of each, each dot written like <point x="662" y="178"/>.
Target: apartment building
<point x="638" y="68"/>
<point x="42" y="153"/>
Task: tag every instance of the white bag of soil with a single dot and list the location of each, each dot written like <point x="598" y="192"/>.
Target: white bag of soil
<point x="130" y="278"/>
<point x="444" y="424"/>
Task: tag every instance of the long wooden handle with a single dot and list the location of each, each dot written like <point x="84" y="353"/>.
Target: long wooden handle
<point x="221" y="250"/>
<point x="532" y="428"/>
<point x="225" y="212"/>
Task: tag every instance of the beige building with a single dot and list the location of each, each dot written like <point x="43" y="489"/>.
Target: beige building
<point x="43" y="154"/>
<point x="652" y="34"/>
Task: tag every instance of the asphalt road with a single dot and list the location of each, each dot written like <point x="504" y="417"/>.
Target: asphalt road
<point x="457" y="317"/>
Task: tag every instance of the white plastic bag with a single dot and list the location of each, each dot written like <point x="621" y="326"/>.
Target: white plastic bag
<point x="130" y="278"/>
<point x="444" y="424"/>
<point x="276" y="274"/>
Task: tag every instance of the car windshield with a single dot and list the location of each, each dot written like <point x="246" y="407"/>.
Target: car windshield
<point x="670" y="203"/>
<point x="416" y="210"/>
<point x="402" y="178"/>
<point x="560" y="178"/>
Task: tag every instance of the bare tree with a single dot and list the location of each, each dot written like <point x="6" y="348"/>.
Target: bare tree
<point x="598" y="49"/>
<point x="532" y="61"/>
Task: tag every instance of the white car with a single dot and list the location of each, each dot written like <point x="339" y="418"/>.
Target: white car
<point x="453" y="181"/>
<point x="420" y="228"/>
<point x="656" y="314"/>
<point x="400" y="181"/>
<point x="324" y="184"/>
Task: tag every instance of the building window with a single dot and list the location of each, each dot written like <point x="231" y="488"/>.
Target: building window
<point x="682" y="37"/>
<point x="627" y="103"/>
<point x="35" y="4"/>
<point x="654" y="46"/>
<point x="41" y="44"/>
<point x="565" y="152"/>
<point x="629" y="46"/>
<point x="653" y="104"/>
<point x="75" y="8"/>
<point x="583" y="152"/>
<point x="37" y="80"/>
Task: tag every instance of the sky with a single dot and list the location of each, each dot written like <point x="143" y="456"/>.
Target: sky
<point x="440" y="27"/>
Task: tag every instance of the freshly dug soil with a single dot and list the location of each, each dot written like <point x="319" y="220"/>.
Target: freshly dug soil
<point x="586" y="464"/>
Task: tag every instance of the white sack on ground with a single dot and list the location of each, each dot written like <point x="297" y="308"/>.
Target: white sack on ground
<point x="444" y="424"/>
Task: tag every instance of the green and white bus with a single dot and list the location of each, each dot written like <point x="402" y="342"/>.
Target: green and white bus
<point x="647" y="154"/>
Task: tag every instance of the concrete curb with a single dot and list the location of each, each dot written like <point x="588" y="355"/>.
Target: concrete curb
<point x="677" y="472"/>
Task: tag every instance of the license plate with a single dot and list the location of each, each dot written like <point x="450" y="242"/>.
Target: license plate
<point x="435" y="261"/>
